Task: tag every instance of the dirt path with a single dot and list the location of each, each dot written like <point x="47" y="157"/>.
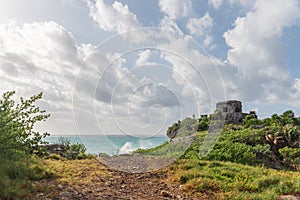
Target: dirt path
<point x="136" y="163"/>
<point x="90" y="179"/>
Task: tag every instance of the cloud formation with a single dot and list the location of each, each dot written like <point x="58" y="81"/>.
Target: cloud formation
<point x="116" y="17"/>
<point x="145" y="79"/>
<point x="257" y="52"/>
<point x="175" y="9"/>
<point x="201" y="25"/>
<point x="39" y="55"/>
<point x="215" y="3"/>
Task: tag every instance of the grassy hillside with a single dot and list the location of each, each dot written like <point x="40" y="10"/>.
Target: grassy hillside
<point x="227" y="180"/>
<point x="241" y="163"/>
<point x="274" y="141"/>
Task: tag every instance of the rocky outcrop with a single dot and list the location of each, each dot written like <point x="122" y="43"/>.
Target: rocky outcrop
<point x="49" y="149"/>
<point x="56" y="149"/>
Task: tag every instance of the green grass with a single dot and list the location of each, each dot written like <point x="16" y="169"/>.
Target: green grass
<point x="174" y="150"/>
<point x="17" y="177"/>
<point x="231" y="169"/>
<point x="152" y="150"/>
<point x="225" y="180"/>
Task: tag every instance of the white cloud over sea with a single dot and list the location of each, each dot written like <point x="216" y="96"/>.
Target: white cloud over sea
<point x="103" y="70"/>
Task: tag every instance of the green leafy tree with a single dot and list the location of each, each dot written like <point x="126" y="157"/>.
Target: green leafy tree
<point x="17" y="121"/>
<point x="17" y="139"/>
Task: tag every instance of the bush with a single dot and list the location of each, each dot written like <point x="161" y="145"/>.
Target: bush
<point x="290" y="155"/>
<point x="74" y="150"/>
<point x="233" y="152"/>
<point x="250" y="121"/>
<point x="264" y="150"/>
<point x="203" y="124"/>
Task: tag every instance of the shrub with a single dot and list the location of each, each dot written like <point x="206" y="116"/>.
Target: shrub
<point x="203" y="124"/>
<point x="290" y="155"/>
<point x="234" y="152"/>
<point x="74" y="150"/>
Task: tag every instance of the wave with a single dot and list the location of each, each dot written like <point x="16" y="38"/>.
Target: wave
<point x="129" y="147"/>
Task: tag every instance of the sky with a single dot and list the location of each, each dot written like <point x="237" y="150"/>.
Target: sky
<point x="135" y="67"/>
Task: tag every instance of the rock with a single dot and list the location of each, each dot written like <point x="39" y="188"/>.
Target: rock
<point x="108" y="183"/>
<point x="50" y="149"/>
<point x="66" y="195"/>
<point x="257" y="127"/>
<point x="61" y="187"/>
<point x="40" y="195"/>
<point x="288" y="197"/>
<point x="165" y="194"/>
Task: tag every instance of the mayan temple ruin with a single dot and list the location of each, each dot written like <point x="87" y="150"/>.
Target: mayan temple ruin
<point x="232" y="111"/>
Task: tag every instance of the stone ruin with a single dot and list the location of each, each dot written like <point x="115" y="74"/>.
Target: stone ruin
<point x="232" y="111"/>
<point x="229" y="112"/>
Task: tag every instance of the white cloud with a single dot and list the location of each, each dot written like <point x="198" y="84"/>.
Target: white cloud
<point x="143" y="58"/>
<point x="168" y="23"/>
<point x="257" y="52"/>
<point x="215" y="3"/>
<point x="199" y="26"/>
<point x="45" y="57"/>
<point x="40" y="57"/>
<point x="175" y="9"/>
<point x="208" y="42"/>
<point x="136" y="93"/>
<point x="36" y="51"/>
<point x="195" y="72"/>
<point x="296" y="88"/>
<point x="116" y="17"/>
<point x="244" y="3"/>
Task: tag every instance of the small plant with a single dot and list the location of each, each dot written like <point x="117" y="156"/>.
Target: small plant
<point x="76" y="151"/>
<point x="73" y="150"/>
<point x="64" y="141"/>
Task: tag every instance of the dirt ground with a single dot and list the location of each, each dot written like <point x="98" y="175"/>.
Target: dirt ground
<point x="90" y="179"/>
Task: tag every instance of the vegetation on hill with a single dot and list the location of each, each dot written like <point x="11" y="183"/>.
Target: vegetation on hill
<point x="238" y="165"/>
<point x="273" y="141"/>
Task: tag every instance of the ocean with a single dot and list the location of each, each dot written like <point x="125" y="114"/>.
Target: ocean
<point x="110" y="144"/>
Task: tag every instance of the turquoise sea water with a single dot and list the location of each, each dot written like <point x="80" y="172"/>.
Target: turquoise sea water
<point x="111" y="144"/>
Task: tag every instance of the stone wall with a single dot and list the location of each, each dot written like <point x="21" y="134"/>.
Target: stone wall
<point x="231" y="111"/>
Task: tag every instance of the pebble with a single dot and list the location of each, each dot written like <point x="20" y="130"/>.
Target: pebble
<point x="165" y="194"/>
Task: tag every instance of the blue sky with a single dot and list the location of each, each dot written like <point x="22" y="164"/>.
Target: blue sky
<point x="135" y="67"/>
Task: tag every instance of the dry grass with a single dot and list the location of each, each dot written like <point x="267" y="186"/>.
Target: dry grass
<point x="76" y="172"/>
